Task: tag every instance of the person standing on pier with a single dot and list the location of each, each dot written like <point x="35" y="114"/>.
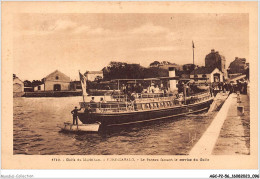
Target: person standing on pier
<point x="75" y="115"/>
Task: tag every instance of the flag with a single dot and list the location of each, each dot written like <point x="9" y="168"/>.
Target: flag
<point x="83" y="84"/>
<point x="193" y="45"/>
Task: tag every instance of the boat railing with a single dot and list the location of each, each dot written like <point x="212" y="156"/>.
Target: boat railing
<point x="157" y="102"/>
<point x="107" y="107"/>
<point x="142" y="96"/>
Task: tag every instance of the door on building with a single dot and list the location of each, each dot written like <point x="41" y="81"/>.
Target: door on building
<point x="216" y="77"/>
<point x="56" y="87"/>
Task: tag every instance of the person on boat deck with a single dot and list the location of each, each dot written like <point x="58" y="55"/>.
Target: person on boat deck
<point x="128" y="88"/>
<point x="151" y="89"/>
<point x="156" y="89"/>
<point x="161" y="86"/>
<point x="132" y="97"/>
<point x="75" y="115"/>
<point x="134" y="89"/>
<point x="188" y="90"/>
<point x="123" y="89"/>
<point x="139" y="88"/>
<point x="102" y="100"/>
<point x="92" y="100"/>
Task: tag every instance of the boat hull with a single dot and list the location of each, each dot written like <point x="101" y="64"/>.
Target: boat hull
<point x="132" y="117"/>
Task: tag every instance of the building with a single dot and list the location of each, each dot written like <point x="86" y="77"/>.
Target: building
<point x="39" y="87"/>
<point x="211" y="73"/>
<point x="215" y="60"/>
<point x="92" y="75"/>
<point x="18" y="86"/>
<point x="56" y="81"/>
<point x="238" y="66"/>
<point x="75" y="86"/>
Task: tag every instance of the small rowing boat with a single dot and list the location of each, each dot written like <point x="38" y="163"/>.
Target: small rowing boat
<point x="81" y="127"/>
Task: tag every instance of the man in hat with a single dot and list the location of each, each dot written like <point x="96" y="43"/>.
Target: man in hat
<point x="75" y="115"/>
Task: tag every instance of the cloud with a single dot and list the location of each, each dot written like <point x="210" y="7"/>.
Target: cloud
<point x="149" y="28"/>
<point x="162" y="48"/>
<point x="89" y="30"/>
<point x="62" y="26"/>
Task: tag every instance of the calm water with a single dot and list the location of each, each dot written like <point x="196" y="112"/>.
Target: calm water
<point x="37" y="121"/>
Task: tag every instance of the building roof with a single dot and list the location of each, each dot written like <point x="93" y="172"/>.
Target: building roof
<point x="56" y="71"/>
<point x="237" y="78"/>
<point x="203" y="70"/>
<point x="16" y="78"/>
<point x="94" y="72"/>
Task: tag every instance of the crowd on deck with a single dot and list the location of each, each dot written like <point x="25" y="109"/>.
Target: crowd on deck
<point x="131" y="90"/>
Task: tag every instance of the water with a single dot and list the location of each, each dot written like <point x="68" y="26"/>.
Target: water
<point x="36" y="131"/>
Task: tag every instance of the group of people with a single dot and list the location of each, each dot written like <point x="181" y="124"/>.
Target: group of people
<point x="231" y="87"/>
<point x="129" y="89"/>
<point x="126" y="89"/>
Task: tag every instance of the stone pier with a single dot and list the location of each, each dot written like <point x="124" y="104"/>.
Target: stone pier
<point x="229" y="131"/>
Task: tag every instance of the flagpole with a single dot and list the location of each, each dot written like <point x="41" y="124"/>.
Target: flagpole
<point x="82" y="87"/>
<point x="193" y="51"/>
<point x="193" y="57"/>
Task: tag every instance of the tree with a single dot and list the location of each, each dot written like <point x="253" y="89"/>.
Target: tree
<point x="36" y="83"/>
<point x="155" y="64"/>
<point x="27" y="83"/>
<point x="121" y="70"/>
<point x="188" y="68"/>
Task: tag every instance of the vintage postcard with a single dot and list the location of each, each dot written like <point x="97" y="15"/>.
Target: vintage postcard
<point x="129" y="85"/>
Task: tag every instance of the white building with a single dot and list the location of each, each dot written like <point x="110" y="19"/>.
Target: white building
<point x="39" y="87"/>
<point x="18" y="85"/>
<point x="56" y="81"/>
<point x="212" y="74"/>
<point x="91" y="75"/>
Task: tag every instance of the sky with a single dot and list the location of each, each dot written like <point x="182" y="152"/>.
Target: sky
<point x="45" y="42"/>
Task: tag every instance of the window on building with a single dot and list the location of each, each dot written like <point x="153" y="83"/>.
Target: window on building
<point x="39" y="87"/>
<point x="57" y="77"/>
<point x="204" y="76"/>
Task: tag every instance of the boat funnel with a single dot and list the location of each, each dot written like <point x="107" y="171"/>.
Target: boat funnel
<point x="172" y="82"/>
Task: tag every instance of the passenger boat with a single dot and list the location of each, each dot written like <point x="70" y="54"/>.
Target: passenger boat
<point x="119" y="110"/>
<point x="147" y="107"/>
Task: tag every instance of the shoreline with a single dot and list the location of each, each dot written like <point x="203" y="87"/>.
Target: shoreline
<point x="40" y="94"/>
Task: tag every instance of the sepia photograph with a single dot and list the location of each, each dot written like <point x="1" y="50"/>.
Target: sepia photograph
<point x="127" y="84"/>
<point x="151" y="82"/>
